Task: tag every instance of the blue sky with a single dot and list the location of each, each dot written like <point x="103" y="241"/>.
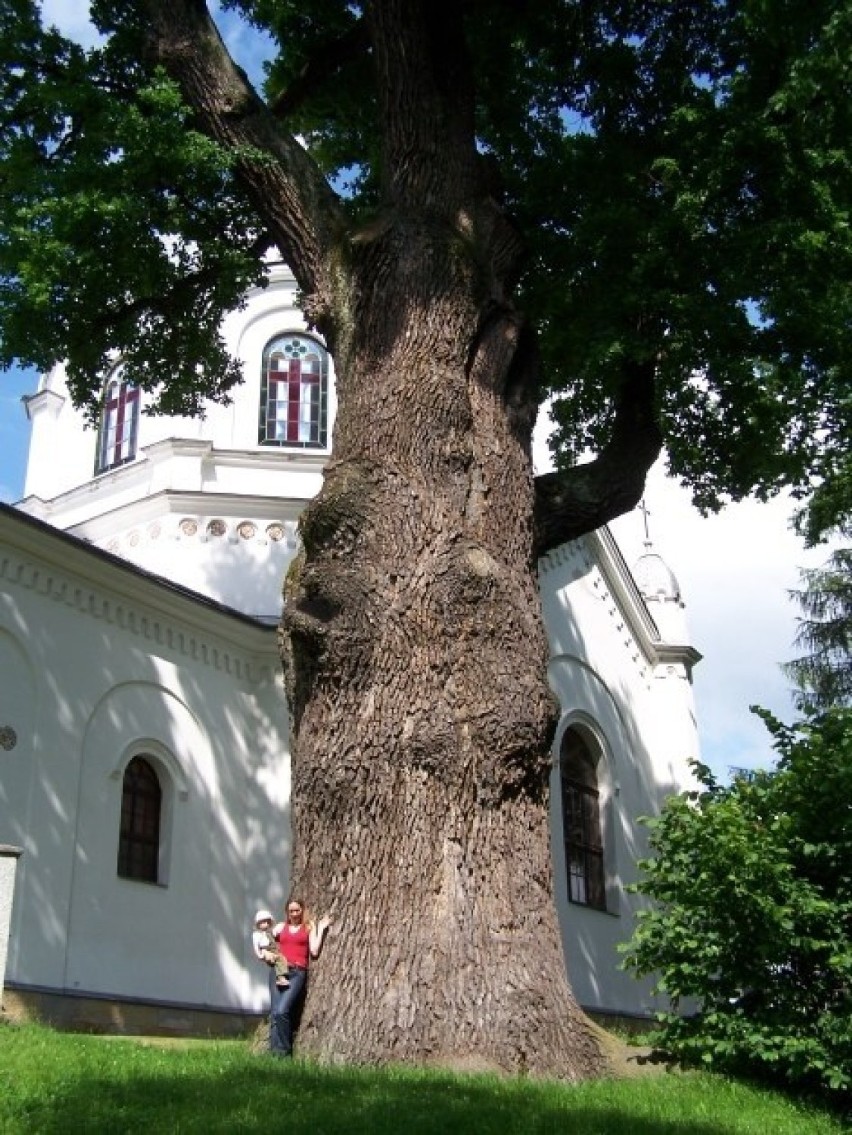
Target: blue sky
<point x="14" y="431"/>
<point x="735" y="569"/>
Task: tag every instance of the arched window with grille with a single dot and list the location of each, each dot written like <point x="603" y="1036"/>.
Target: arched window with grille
<point x="581" y="820"/>
<point x="119" y="426"/>
<point x="139" y="832"/>
<point x="294" y="393"/>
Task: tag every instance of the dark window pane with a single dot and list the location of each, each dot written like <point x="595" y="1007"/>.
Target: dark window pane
<point x="139" y="833"/>
<point x="581" y="820"/>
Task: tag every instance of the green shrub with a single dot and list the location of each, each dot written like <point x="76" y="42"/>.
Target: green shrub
<point x="749" y="931"/>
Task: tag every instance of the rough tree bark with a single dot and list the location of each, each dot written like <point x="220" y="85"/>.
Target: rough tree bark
<point x="412" y="634"/>
<point x="421" y="713"/>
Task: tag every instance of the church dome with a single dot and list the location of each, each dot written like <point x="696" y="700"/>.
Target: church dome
<point x="655" y="579"/>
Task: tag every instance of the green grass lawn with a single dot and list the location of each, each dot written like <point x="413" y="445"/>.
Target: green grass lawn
<point x="59" y="1082"/>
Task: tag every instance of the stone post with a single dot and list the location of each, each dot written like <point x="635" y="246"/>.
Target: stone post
<point x="8" y="865"/>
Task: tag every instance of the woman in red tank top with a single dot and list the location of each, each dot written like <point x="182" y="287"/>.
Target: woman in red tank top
<point x="298" y="941"/>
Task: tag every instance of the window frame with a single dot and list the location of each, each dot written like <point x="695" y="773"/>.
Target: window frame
<point x="583" y="828"/>
<point x="297" y="382"/>
<point x="118" y="429"/>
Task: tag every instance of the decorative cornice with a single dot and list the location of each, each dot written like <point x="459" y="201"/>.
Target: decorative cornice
<point x="168" y="509"/>
<point x="200" y="456"/>
<point x="189" y="526"/>
<point x="679" y="654"/>
<point x="42" y="401"/>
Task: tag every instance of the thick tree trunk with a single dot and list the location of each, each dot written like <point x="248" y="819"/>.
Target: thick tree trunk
<point x="416" y="663"/>
<point x="412" y="635"/>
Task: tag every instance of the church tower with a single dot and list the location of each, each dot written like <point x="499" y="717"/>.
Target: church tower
<point x="209" y="503"/>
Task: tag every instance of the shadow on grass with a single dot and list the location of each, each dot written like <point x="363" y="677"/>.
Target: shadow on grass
<point x="260" y="1094"/>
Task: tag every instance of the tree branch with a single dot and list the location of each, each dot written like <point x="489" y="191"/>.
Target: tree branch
<point x="571" y="503"/>
<point x="295" y="202"/>
<point x="174" y="299"/>
<point x="320" y="68"/>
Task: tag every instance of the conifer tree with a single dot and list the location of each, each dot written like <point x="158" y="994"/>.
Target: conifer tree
<point x="823" y="674"/>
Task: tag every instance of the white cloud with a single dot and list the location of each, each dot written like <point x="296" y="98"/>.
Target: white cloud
<point x="735" y="570"/>
<point x="72" y="19"/>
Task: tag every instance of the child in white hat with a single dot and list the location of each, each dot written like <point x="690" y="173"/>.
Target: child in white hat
<point x="265" y="947"/>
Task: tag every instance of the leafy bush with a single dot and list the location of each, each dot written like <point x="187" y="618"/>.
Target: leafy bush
<point x="749" y="932"/>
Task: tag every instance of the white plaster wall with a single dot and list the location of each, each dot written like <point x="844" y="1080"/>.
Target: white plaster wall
<point x="643" y="720"/>
<point x="669" y="615"/>
<point x="591" y="937"/>
<point x="672" y="728"/>
<point x="246" y="574"/>
<point x="94" y="691"/>
<point x="231" y="483"/>
<point x="38" y="787"/>
<point x="56" y="428"/>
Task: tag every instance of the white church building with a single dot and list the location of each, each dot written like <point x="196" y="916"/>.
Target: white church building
<point x="144" y="761"/>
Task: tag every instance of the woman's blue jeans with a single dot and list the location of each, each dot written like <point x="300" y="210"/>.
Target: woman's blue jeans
<point x="286" y="1010"/>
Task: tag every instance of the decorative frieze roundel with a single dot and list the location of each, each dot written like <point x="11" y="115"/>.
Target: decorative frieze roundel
<point x="188" y="526"/>
<point x="216" y="528"/>
<point x="275" y="532"/>
<point x="247" y="529"/>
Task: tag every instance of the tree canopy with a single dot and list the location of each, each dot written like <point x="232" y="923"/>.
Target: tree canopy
<point x="680" y="174"/>
<point x="640" y="208"/>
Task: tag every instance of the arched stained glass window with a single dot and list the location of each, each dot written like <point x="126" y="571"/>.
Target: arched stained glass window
<point x="119" y="426"/>
<point x="294" y="393"/>
<point x="139" y="832"/>
<point x="581" y="820"/>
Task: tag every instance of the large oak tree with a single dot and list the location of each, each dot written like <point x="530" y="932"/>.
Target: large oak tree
<point x="641" y="207"/>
